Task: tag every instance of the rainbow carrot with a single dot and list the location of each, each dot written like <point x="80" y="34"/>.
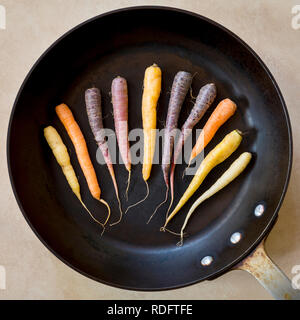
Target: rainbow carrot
<point x="63" y="159"/>
<point x="119" y="93"/>
<point x="220" y="153"/>
<point x="66" y="117"/>
<point x="224" y="110"/>
<point x="152" y="88"/>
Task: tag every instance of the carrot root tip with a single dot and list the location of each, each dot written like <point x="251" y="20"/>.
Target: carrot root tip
<point x="172" y="232"/>
<point x="170" y="206"/>
<point x="103" y="229"/>
<point x="164" y="201"/>
<point x="128" y="184"/>
<point x="147" y="194"/>
<point x="109" y="211"/>
<point x="92" y="216"/>
<point x="179" y="243"/>
<point x="121" y="213"/>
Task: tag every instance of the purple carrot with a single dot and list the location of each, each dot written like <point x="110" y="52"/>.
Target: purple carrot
<point x="119" y="94"/>
<point x="94" y="112"/>
<point x="180" y="87"/>
<point x="205" y="98"/>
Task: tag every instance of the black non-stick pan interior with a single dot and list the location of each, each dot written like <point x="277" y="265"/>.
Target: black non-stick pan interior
<point x="133" y="254"/>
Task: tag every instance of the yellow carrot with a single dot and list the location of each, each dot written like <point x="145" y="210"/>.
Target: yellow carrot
<point x="236" y="168"/>
<point x="220" y="153"/>
<point x="152" y="88"/>
<point x="63" y="159"/>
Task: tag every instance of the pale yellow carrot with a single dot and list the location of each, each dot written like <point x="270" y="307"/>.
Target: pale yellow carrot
<point x="236" y="168"/>
<point x="220" y="153"/>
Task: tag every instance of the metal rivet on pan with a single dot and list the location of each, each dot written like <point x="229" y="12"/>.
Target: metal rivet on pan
<point x="206" y="261"/>
<point x="236" y="237"/>
<point x="259" y="210"/>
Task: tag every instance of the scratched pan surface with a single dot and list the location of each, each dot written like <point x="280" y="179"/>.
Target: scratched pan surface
<point x="135" y="255"/>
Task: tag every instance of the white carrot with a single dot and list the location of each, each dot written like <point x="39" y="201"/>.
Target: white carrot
<point x="236" y="168"/>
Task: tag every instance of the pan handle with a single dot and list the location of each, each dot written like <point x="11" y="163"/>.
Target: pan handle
<point x="268" y="274"/>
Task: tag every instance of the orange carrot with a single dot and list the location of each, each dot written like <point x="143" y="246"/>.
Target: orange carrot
<point x="225" y="109"/>
<point x="66" y="117"/>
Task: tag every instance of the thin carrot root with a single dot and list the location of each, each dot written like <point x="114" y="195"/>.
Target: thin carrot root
<point x="180" y="243"/>
<point x="191" y="94"/>
<point x="108" y="208"/>
<point x="164" y="201"/>
<point x="128" y="184"/>
<point x="172" y="189"/>
<point x="194" y="75"/>
<point x="172" y="232"/>
<point x="164" y="229"/>
<point x="147" y="194"/>
<point x="91" y="215"/>
<point x="121" y="213"/>
<point x="120" y="208"/>
<point x="191" y="89"/>
<point x="171" y="203"/>
<point x="111" y="171"/>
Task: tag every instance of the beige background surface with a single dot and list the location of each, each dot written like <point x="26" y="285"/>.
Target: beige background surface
<point x="32" y="25"/>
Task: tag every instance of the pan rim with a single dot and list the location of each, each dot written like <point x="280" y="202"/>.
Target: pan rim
<point x="271" y="222"/>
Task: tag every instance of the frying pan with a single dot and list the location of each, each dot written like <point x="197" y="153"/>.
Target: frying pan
<point x="227" y="231"/>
